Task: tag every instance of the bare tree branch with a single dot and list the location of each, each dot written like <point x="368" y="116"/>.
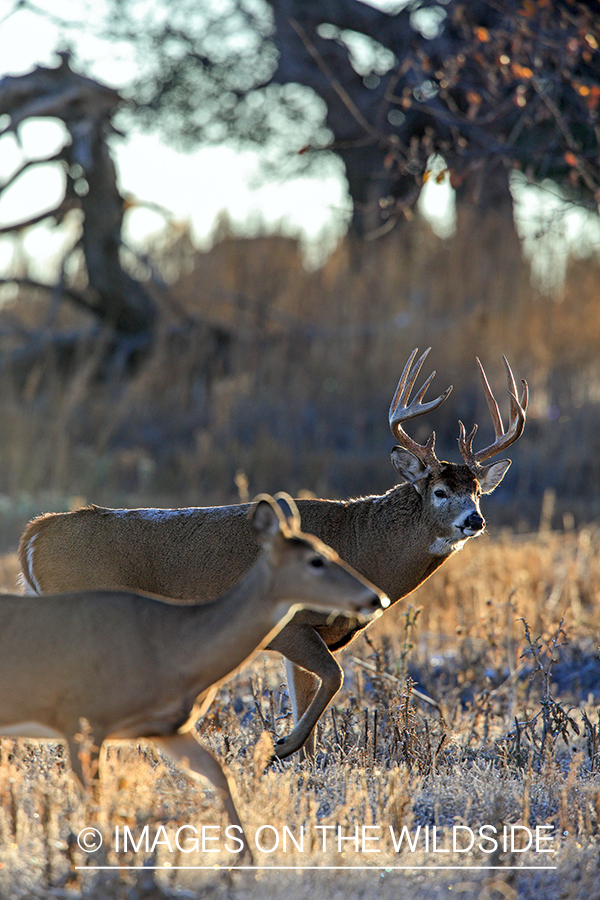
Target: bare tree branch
<point x="58" y="213"/>
<point x="86" y="107"/>
<point x="28" y="164"/>
<point x="76" y="296"/>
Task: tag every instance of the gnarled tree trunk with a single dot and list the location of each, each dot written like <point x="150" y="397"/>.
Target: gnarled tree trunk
<point x="86" y="108"/>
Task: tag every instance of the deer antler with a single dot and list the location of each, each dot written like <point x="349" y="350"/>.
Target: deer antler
<point x="401" y="410"/>
<point x="503" y="439"/>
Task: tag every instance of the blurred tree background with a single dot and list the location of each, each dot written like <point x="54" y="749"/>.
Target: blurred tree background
<point x="184" y="377"/>
<point x="490" y="87"/>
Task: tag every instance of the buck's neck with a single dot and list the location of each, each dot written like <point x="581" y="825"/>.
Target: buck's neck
<point x="387" y="537"/>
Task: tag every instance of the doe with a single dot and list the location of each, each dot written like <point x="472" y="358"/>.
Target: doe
<point x="134" y="665"/>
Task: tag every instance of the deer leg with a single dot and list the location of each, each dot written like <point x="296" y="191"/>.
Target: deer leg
<point x="203" y="702"/>
<point x="197" y="761"/>
<point x="85" y="756"/>
<point x="302" y="687"/>
<point x="85" y="771"/>
<point x="311" y="660"/>
<point x="76" y="766"/>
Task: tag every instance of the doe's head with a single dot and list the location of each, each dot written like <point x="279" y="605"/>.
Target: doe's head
<point x="307" y="573"/>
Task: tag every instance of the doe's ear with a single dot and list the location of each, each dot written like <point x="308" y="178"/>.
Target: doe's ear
<point x="408" y="466"/>
<point x="490" y="476"/>
<point x="266" y="518"/>
<point x="288" y="507"/>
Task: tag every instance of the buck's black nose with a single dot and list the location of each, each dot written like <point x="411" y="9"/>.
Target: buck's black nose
<point x="474" y="521"/>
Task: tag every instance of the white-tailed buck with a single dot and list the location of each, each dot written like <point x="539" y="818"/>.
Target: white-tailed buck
<point x="395" y="540"/>
<point x="135" y="666"/>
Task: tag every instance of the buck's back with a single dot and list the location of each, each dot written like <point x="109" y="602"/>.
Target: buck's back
<point x="186" y="554"/>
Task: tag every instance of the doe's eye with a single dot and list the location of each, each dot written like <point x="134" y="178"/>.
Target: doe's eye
<point x="440" y="493"/>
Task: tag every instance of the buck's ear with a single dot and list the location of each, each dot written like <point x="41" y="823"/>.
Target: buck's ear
<point x="491" y="476"/>
<point x="266" y="519"/>
<point x="408" y="466"/>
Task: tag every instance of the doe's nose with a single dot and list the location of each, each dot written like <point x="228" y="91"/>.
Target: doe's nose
<point x="474" y="521"/>
<point x="374" y="605"/>
<point x="380" y="601"/>
<point x="377" y="600"/>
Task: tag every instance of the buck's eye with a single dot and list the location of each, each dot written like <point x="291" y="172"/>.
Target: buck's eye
<point x="317" y="562"/>
<point x="440" y="493"/>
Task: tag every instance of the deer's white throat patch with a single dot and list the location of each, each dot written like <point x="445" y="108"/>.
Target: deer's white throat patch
<point x="442" y="546"/>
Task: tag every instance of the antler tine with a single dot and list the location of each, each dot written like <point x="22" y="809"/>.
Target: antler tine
<point x="502" y="439"/>
<point x="491" y="401"/>
<point x="405" y="386"/>
<point x="512" y="390"/>
<point x="465" y="442"/>
<point x="401" y="389"/>
<point x="401" y="409"/>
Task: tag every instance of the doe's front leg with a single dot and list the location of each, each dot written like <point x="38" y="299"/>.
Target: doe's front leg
<point x="189" y="754"/>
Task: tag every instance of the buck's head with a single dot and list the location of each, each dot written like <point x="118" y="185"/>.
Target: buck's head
<point x="450" y="493"/>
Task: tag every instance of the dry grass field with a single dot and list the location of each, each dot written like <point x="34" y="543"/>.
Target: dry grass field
<point x="472" y="705"/>
<point x="509" y="737"/>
